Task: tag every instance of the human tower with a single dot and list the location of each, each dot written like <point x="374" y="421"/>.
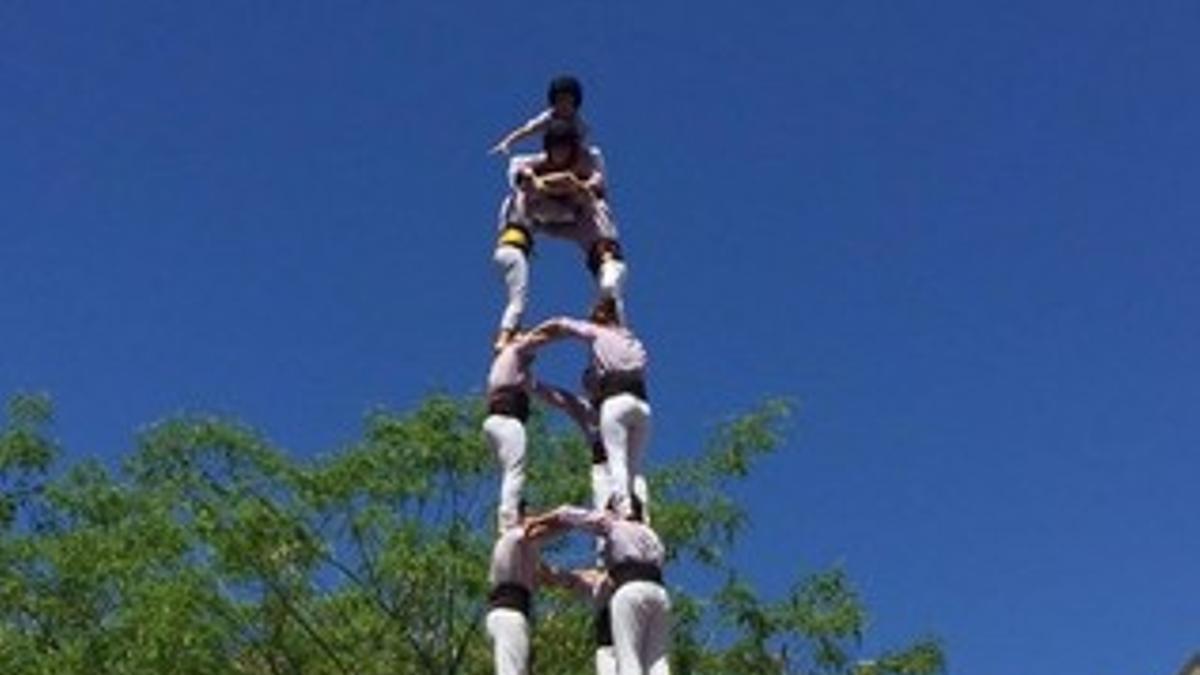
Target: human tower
<point x="560" y="193"/>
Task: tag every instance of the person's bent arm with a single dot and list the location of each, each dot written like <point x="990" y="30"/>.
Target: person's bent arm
<point x="529" y="128"/>
<point x="584" y="582"/>
<point x="596" y="522"/>
<point x="575" y="407"/>
<point x="562" y="326"/>
<point x="595" y="183"/>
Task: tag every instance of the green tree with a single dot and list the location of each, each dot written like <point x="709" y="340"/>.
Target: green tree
<point x="211" y="550"/>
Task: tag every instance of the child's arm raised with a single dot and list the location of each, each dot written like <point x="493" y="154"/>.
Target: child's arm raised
<point x="529" y="128"/>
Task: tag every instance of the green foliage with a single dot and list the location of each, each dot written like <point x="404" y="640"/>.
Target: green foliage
<point x="211" y="550"/>
<point x="26" y="453"/>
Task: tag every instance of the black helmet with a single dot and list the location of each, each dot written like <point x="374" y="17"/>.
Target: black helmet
<point x="565" y="84"/>
<point x="560" y="132"/>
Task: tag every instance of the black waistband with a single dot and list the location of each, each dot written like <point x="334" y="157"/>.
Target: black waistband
<point x="632" y="570"/>
<point x="623" y="382"/>
<point x="510" y="596"/>
<point x="510" y="401"/>
<point x="602" y="627"/>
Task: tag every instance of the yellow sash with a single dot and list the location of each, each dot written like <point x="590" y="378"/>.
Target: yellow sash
<point x="515" y="236"/>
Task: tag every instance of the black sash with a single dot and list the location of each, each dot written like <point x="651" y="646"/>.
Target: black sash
<point x="602" y="625"/>
<point x="509" y="401"/>
<point x="634" y="570"/>
<point x="510" y="596"/>
<point x="623" y="382"/>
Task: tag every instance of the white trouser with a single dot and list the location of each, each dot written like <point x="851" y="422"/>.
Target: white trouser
<point x="641" y="627"/>
<point x="601" y="486"/>
<point x="602" y="490"/>
<point x="606" y="661"/>
<point x="514" y="268"/>
<point x="510" y="641"/>
<point x="506" y="437"/>
<point x="611" y="281"/>
<point x="642" y="491"/>
<point x="625" y="428"/>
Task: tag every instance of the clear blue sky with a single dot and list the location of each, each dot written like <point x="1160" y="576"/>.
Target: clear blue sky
<point x="964" y="235"/>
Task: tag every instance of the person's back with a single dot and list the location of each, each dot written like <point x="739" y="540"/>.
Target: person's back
<point x="639" y="607"/>
<point x="514" y="559"/>
<point x="631" y="541"/>
<point x="512" y="577"/>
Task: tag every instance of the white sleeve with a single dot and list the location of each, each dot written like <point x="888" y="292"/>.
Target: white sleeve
<point x="539" y="121"/>
<point x="574" y="327"/>
<point x="598" y="160"/>
<point x="520" y="162"/>
<point x="598" y="522"/>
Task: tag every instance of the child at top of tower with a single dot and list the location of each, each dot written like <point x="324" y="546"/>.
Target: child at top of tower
<point x="559" y="192"/>
<point x="564" y="97"/>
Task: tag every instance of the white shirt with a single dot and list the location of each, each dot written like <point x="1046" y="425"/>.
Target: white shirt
<point x="625" y="540"/>
<point x="514" y="559"/>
